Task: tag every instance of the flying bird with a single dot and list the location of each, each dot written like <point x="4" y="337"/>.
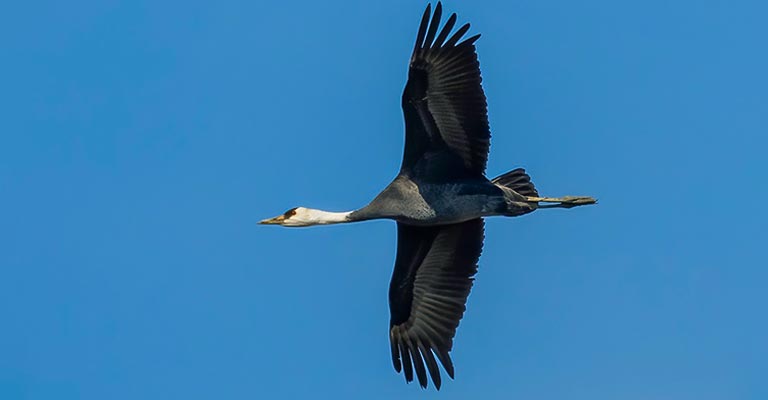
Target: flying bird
<point x="438" y="199"/>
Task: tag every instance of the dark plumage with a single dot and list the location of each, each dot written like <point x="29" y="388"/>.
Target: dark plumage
<point x="438" y="199"/>
<point x="427" y="295"/>
<point x="443" y="102"/>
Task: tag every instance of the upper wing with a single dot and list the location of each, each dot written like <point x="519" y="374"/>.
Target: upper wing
<point x="443" y="102"/>
<point x="427" y="295"/>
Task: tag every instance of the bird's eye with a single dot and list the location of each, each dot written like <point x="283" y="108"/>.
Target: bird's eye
<point x="290" y="213"/>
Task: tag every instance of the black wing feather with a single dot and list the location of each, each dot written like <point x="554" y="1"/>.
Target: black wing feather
<point x="422" y="28"/>
<point x="433" y="25"/>
<point x="444" y="105"/>
<point x="456" y="36"/>
<point x="446" y="30"/>
<point x="430" y="284"/>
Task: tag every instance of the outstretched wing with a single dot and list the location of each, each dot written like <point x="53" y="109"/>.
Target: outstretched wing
<point x="433" y="275"/>
<point x="443" y="102"/>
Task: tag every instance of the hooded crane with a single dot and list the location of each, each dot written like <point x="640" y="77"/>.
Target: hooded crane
<point x="438" y="199"/>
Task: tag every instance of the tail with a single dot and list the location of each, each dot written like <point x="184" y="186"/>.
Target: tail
<point x="518" y="181"/>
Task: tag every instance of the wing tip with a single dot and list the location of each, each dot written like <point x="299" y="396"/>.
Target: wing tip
<point x="428" y="27"/>
<point x="471" y="40"/>
<point x="416" y="360"/>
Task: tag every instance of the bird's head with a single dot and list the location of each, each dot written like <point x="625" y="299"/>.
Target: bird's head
<point x="297" y="216"/>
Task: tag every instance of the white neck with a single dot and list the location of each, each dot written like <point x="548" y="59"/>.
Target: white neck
<point x="320" y="217"/>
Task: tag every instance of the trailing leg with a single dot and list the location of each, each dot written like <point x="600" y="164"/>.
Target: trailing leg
<point x="524" y="197"/>
<point x="562" y="202"/>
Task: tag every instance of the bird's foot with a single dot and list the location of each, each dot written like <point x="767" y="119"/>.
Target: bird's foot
<point x="578" y="200"/>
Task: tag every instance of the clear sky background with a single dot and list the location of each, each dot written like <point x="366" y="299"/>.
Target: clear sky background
<point x="141" y="141"/>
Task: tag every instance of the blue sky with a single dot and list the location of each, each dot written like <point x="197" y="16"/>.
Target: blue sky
<point x="141" y="141"/>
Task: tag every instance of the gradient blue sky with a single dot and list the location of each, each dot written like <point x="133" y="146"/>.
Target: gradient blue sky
<point x="141" y="141"/>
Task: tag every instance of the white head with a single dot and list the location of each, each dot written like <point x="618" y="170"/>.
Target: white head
<point x="301" y="216"/>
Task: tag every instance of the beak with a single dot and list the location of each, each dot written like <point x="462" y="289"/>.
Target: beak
<point x="273" y="221"/>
